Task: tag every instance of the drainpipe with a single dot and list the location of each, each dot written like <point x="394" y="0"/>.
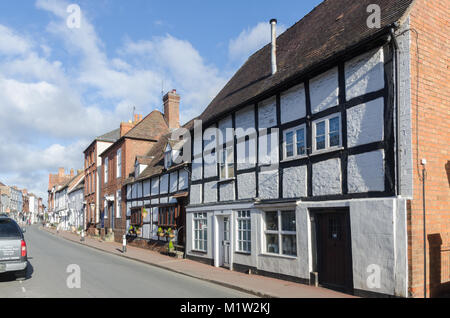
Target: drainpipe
<point x="397" y="113"/>
<point x="424" y="175"/>
<point x="273" y="24"/>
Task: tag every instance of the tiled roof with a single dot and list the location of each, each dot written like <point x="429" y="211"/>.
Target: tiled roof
<point x="144" y="160"/>
<point x="111" y="136"/>
<point x="332" y="27"/>
<point x="151" y="127"/>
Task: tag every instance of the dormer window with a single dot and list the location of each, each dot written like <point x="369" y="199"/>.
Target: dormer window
<point x="136" y="169"/>
<point x="168" y="157"/>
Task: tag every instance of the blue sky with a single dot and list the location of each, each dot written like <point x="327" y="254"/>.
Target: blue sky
<point x="62" y="87"/>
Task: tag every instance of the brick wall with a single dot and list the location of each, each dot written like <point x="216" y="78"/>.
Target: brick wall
<point x="431" y="140"/>
<point x="130" y="149"/>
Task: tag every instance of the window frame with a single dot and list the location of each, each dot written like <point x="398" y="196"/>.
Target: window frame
<point x="119" y="163"/>
<point x="280" y="233"/>
<point x="200" y="218"/>
<point x="106" y="170"/>
<point x="294" y="142"/>
<point x="225" y="149"/>
<point x="248" y="229"/>
<point x="119" y="204"/>
<point x="327" y="133"/>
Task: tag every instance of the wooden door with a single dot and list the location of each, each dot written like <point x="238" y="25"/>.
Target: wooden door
<point x="334" y="250"/>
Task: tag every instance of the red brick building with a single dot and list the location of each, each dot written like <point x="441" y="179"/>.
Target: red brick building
<point x="430" y="114"/>
<point x="118" y="161"/>
<point x="92" y="164"/>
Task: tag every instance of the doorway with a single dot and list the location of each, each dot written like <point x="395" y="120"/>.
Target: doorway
<point x="333" y="241"/>
<point x="224" y="241"/>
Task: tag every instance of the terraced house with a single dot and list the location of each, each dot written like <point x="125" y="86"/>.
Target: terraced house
<point x="317" y="143"/>
<point x="157" y="190"/>
<point x="119" y="161"/>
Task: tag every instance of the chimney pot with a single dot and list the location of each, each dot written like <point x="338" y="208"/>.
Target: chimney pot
<point x="273" y="23"/>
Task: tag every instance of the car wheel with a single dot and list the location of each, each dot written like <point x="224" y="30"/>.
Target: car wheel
<point x="21" y="275"/>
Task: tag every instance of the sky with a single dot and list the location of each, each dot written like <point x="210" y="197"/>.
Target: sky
<point x="61" y="86"/>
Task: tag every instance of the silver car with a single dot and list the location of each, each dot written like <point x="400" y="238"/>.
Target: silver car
<point x="13" y="249"/>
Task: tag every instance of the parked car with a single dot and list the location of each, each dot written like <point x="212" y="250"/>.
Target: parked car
<point x="13" y="249"/>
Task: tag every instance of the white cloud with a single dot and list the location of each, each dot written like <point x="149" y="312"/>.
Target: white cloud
<point x="51" y="111"/>
<point x="250" y="40"/>
<point x="11" y="43"/>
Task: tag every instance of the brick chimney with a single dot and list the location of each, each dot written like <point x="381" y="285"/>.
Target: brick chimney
<point x="125" y="127"/>
<point x="71" y="173"/>
<point x="172" y="109"/>
<point x="61" y="172"/>
<point x="137" y="118"/>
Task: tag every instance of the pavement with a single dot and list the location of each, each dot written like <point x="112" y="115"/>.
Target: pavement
<point x="257" y="285"/>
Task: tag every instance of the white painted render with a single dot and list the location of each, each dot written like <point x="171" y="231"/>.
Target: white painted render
<point x="366" y="172"/>
<point x="364" y="73"/>
<point x="293" y="104"/>
<point x="295" y="182"/>
<point x="246" y="185"/>
<point x="324" y="90"/>
<point x="365" y="123"/>
<point x="267" y="113"/>
<point x="268" y="184"/>
<point x="327" y="177"/>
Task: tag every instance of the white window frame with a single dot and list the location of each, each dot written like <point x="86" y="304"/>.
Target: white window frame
<point x="200" y="218"/>
<point x="280" y="233"/>
<point x="167" y="159"/>
<point x="119" y="204"/>
<point x="327" y="133"/>
<point x="136" y="169"/>
<point x="105" y="177"/>
<point x="241" y="217"/>
<point x="226" y="164"/>
<point x="294" y="140"/>
<point x="119" y="163"/>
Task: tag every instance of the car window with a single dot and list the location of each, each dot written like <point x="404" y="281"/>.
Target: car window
<point x="9" y="229"/>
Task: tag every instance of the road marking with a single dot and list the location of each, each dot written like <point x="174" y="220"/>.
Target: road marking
<point x="23" y="289"/>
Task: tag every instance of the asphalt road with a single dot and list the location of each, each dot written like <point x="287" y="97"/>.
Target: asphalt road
<point x="101" y="275"/>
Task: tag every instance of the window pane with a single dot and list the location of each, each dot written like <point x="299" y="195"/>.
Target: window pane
<point x="272" y="221"/>
<point x="334" y="124"/>
<point x="289" y="150"/>
<point x="300" y="142"/>
<point x="289" y="138"/>
<point x="320" y="142"/>
<point x="231" y="170"/>
<point x="334" y="139"/>
<point x="288" y="221"/>
<point x="289" y="144"/>
<point x="289" y="245"/>
<point x="320" y="128"/>
<point x="272" y="243"/>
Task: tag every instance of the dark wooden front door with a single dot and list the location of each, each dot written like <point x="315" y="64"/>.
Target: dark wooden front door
<point x="334" y="250"/>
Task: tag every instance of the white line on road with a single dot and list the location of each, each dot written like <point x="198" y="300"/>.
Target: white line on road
<point x="23" y="289"/>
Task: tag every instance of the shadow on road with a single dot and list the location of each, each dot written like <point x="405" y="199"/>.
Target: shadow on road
<point x="10" y="276"/>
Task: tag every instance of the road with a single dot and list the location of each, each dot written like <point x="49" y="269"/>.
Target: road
<point x="101" y="275"/>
